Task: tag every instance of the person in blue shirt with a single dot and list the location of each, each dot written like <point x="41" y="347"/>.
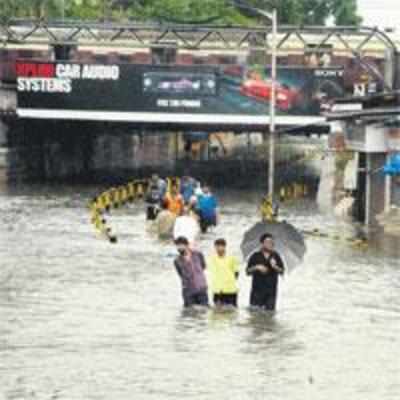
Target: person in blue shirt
<point x="208" y="209"/>
<point x="188" y="186"/>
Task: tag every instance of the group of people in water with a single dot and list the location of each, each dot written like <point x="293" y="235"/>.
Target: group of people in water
<point x="264" y="266"/>
<point x="182" y="209"/>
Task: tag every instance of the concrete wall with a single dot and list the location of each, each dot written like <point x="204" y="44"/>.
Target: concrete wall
<point x="125" y="152"/>
<point x="8" y="104"/>
<point x="8" y="99"/>
<point x="85" y="152"/>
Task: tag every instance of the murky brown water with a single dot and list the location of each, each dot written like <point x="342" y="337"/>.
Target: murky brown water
<point x="83" y="319"/>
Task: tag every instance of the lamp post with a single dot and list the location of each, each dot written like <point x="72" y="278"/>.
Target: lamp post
<point x="273" y="18"/>
<point x="63" y="10"/>
<point x="272" y="108"/>
<point x="271" y="169"/>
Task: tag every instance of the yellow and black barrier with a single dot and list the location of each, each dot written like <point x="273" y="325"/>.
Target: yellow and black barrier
<point x="293" y="191"/>
<point x="116" y="197"/>
<point x="289" y="192"/>
<point x="270" y="213"/>
<point x="360" y="242"/>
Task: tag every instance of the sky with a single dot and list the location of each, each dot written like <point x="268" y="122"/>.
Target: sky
<point x="381" y="13"/>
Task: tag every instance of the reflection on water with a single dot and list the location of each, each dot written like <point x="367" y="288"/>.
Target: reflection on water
<point x="83" y="319"/>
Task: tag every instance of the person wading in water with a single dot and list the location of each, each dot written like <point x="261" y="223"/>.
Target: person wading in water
<point x="265" y="266"/>
<point x="190" y="266"/>
<point x="224" y="273"/>
<point x="174" y="201"/>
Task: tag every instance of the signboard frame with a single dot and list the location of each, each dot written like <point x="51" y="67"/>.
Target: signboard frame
<point x="195" y="95"/>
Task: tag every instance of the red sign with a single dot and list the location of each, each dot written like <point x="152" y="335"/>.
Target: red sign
<point x="35" y="70"/>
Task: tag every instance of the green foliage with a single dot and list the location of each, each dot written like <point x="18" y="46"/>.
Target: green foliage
<point x="294" y="12"/>
<point x="345" y="12"/>
<point x="311" y="12"/>
<point x="85" y="9"/>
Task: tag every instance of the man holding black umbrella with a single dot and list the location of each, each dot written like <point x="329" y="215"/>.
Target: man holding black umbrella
<point x="265" y="266"/>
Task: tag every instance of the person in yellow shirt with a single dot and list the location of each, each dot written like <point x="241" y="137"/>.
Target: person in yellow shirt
<point x="223" y="273"/>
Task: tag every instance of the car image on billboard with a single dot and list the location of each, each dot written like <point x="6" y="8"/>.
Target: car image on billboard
<point x="165" y="82"/>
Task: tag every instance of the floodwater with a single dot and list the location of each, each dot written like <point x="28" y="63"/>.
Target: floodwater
<point x="81" y="318"/>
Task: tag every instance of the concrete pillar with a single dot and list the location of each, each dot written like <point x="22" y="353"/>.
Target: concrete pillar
<point x="397" y="71"/>
<point x="389" y="68"/>
<point x="3" y="134"/>
<point x="375" y="199"/>
<point x="388" y="189"/>
<point x="328" y="194"/>
<point x="3" y="152"/>
<point x="8" y="98"/>
<point x="8" y="104"/>
<point x="395" y="191"/>
<point x="63" y="52"/>
<point x="368" y="190"/>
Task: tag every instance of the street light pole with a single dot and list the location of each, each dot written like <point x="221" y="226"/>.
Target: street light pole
<point x="63" y="10"/>
<point x="271" y="169"/>
<point x="273" y="18"/>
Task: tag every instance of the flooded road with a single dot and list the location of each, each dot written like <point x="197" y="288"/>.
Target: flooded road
<point x="84" y="319"/>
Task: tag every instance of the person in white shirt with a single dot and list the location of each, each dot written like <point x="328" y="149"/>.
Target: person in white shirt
<point x="186" y="226"/>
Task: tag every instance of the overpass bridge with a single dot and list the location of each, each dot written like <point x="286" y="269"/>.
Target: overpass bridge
<point x="354" y="39"/>
<point x="367" y="49"/>
<point x="359" y="43"/>
<point x="367" y="56"/>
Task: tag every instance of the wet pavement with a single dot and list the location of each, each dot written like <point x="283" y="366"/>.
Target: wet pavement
<point x="84" y="319"/>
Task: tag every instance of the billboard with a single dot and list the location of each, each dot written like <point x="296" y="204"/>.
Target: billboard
<point x="174" y="94"/>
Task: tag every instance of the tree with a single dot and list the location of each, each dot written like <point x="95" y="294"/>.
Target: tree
<point x="345" y="12"/>
<point x="309" y="12"/>
<point x="87" y="9"/>
<point x="295" y="12"/>
<point x="51" y="8"/>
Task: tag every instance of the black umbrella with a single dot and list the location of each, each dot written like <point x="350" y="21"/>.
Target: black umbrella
<point x="289" y="242"/>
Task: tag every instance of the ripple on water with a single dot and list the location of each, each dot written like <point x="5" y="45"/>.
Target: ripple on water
<point x="82" y="319"/>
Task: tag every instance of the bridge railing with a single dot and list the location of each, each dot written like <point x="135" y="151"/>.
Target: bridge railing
<point x="28" y="31"/>
<point x="357" y="43"/>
